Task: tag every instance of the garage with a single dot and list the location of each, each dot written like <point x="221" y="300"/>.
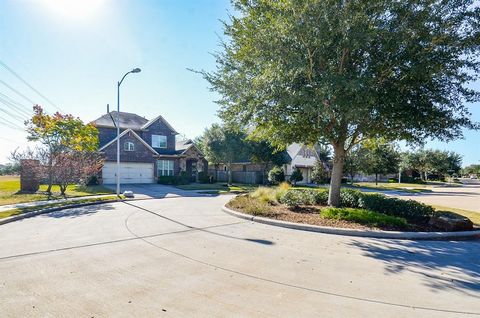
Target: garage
<point x="130" y="172"/>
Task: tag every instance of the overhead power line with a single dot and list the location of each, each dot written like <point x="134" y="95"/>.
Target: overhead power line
<point x="14" y="108"/>
<point x="18" y="93"/>
<point x="10" y="124"/>
<point x="29" y="85"/>
<point x="15" y="116"/>
<point x="23" y="107"/>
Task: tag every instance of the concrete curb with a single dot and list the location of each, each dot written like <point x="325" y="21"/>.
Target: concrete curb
<point x="19" y="217"/>
<point x="357" y="233"/>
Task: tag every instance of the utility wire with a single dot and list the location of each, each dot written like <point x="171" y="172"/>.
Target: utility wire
<point x="15" y="108"/>
<point x="18" y="93"/>
<point x="11" y="126"/>
<point x="21" y="107"/>
<point x="30" y="86"/>
<point x="17" y="117"/>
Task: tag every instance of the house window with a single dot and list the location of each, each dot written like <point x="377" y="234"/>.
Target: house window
<point x="159" y="141"/>
<point x="165" y="168"/>
<point x="129" y="146"/>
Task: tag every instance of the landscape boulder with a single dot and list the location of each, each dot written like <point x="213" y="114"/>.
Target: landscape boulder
<point x="450" y="222"/>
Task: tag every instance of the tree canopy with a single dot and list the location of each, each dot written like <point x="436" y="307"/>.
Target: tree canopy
<point x="343" y="71"/>
<point x="66" y="141"/>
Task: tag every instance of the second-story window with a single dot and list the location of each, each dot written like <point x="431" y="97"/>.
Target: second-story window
<point x="129" y="146"/>
<point x="159" y="141"/>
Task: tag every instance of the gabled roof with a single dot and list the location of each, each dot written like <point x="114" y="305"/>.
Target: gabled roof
<point x="182" y="146"/>
<point x="127" y="120"/>
<point x="134" y="135"/>
<point x="147" y="124"/>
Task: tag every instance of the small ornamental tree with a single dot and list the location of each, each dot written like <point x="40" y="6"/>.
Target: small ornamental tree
<point x="262" y="152"/>
<point x="343" y="71"/>
<point x="296" y="176"/>
<point x="276" y="175"/>
<point x="75" y="167"/>
<point x="60" y="134"/>
<point x="319" y="173"/>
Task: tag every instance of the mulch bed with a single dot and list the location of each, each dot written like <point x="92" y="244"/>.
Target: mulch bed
<point x="311" y="215"/>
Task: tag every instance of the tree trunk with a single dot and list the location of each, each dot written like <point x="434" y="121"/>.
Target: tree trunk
<point x="376" y="178"/>
<point x="50" y="174"/>
<point x="229" y="168"/>
<point x="264" y="176"/>
<point x="63" y="189"/>
<point x="337" y="174"/>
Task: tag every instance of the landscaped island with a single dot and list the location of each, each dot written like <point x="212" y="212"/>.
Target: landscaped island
<point x="358" y="210"/>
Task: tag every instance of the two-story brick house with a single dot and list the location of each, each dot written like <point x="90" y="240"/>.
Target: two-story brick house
<point x="148" y="149"/>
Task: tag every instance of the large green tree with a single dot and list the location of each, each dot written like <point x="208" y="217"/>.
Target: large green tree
<point x="429" y="161"/>
<point x="223" y="145"/>
<point x="343" y="71"/>
<point x="263" y="153"/>
<point x="379" y="157"/>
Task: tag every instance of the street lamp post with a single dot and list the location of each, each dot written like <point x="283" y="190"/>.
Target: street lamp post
<point x="135" y="70"/>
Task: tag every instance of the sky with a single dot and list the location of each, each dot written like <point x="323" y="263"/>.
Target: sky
<point x="73" y="53"/>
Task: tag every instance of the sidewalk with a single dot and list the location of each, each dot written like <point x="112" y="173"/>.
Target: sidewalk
<point x="40" y="203"/>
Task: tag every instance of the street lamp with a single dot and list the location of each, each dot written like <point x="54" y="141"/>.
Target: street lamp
<point x="135" y="70"/>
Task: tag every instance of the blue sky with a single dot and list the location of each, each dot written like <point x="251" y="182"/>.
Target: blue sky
<point x="76" y="52"/>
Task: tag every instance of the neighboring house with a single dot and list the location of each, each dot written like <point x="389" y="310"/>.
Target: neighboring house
<point x="148" y="149"/>
<point x="303" y="158"/>
<point x="298" y="156"/>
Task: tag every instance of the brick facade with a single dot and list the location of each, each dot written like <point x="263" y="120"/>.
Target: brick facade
<point x="140" y="154"/>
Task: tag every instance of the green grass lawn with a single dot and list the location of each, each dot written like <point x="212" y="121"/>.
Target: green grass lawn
<point x="10" y="186"/>
<point x="472" y="215"/>
<point x="17" y="211"/>
<point x="219" y="187"/>
<point x="386" y="186"/>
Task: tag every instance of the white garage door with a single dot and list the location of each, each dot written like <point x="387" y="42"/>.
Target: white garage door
<point x="130" y="172"/>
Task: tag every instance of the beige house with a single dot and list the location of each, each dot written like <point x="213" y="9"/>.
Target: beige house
<point x="303" y="158"/>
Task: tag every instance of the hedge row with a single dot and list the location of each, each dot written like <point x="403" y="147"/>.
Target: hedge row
<point x="408" y="209"/>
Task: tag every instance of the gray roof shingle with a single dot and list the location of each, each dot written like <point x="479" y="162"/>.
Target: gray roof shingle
<point x="127" y="120"/>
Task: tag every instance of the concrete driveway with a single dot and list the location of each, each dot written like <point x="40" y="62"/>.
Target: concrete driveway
<point x="183" y="257"/>
<point x="154" y="190"/>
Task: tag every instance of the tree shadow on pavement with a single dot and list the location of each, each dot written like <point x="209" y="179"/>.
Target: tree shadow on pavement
<point x="80" y="211"/>
<point x="443" y="265"/>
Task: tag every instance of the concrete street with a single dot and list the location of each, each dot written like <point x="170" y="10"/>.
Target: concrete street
<point x="184" y="257"/>
<point x="466" y="197"/>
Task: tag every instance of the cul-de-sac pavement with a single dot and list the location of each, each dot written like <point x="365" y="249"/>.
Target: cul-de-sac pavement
<point x="183" y="256"/>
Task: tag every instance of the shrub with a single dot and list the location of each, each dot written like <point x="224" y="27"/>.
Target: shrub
<point x="408" y="209"/>
<point x="296" y="176"/>
<point x="276" y="175"/>
<point x="203" y="177"/>
<point x="295" y="198"/>
<point x="250" y="205"/>
<point x="365" y="217"/>
<point x="182" y="178"/>
<point x="321" y="197"/>
<point x="350" y="198"/>
<point x="166" y="179"/>
<point x="92" y="180"/>
<point x="284" y="186"/>
<point x="174" y="180"/>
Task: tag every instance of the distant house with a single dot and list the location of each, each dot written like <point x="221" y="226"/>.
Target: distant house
<point x="148" y="149"/>
<point x="297" y="156"/>
<point x="303" y="158"/>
